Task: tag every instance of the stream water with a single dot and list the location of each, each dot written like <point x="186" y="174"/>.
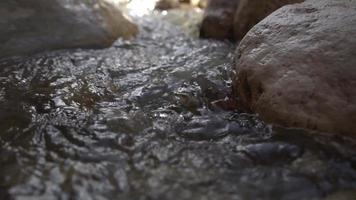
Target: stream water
<point x="149" y="119"/>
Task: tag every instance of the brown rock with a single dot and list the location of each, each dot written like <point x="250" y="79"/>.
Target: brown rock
<point x="167" y="4"/>
<point x="200" y="3"/>
<point x="30" y="26"/>
<point x="232" y="19"/>
<point x="298" y="67"/>
<point x="250" y="12"/>
<point x="218" y="19"/>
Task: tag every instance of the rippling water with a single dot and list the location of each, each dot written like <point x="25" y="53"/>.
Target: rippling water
<point x="149" y="119"/>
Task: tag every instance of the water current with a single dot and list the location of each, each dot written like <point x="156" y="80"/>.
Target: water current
<point x="152" y="118"/>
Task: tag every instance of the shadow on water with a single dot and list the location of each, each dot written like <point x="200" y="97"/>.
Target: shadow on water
<point x="146" y="119"/>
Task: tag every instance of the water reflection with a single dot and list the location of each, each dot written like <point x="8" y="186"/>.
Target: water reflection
<point x="147" y="119"/>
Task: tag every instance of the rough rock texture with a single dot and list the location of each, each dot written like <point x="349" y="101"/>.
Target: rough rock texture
<point x="250" y="12"/>
<point x="29" y="26"/>
<point x="298" y="67"/>
<point x="218" y="19"/>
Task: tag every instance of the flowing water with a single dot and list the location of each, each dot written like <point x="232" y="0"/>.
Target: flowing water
<point x="149" y="119"/>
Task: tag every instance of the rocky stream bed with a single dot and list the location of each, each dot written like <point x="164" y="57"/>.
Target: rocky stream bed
<point x="147" y="119"/>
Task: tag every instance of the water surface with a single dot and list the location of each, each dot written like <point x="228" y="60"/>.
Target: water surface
<point x="149" y="119"/>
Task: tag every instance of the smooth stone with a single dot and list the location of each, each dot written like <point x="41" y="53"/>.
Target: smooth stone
<point x="31" y="26"/>
<point x="297" y="68"/>
<point x="250" y="12"/>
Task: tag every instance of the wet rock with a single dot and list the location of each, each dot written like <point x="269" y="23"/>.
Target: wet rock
<point x="250" y="12"/>
<point x="199" y="3"/>
<point x="232" y="19"/>
<point x="202" y="3"/>
<point x="167" y="4"/>
<point x="298" y="67"/>
<point x="29" y="26"/>
<point x="218" y="19"/>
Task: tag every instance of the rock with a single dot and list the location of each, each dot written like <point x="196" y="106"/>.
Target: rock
<point x="30" y="26"/>
<point x="184" y="1"/>
<point x="199" y="3"/>
<point x="250" y="12"/>
<point x="167" y="4"/>
<point x="232" y="19"/>
<point x="182" y="4"/>
<point x="297" y="67"/>
<point x="218" y="19"/>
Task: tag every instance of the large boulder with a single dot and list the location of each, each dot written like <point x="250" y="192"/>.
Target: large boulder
<point x="232" y="19"/>
<point x="298" y="67"/>
<point x="218" y="19"/>
<point x="250" y="12"/>
<point x="29" y="26"/>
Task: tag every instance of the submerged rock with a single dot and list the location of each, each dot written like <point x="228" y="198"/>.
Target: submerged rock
<point x="298" y="67"/>
<point x="218" y="19"/>
<point x="29" y="26"/>
<point x="250" y="12"/>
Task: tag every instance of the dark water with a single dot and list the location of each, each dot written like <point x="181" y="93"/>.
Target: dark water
<point x="148" y="119"/>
